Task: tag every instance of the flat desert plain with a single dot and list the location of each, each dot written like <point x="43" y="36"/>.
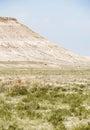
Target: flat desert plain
<point x="36" y="97"/>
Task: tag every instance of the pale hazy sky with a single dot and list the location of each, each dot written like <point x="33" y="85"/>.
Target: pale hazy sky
<point x="65" y="22"/>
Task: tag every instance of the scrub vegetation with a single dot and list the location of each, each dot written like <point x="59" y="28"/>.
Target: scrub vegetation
<point x="37" y="102"/>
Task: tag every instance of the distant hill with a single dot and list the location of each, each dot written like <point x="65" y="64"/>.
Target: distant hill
<point x="19" y="43"/>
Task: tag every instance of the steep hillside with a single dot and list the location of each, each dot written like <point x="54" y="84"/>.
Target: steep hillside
<point x="19" y="43"/>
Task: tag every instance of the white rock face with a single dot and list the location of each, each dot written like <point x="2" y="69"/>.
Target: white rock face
<point x="19" y="43"/>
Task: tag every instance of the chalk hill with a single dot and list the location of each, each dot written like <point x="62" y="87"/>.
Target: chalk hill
<point x="19" y="43"/>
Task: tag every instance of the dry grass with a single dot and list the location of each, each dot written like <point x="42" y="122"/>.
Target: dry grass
<point x="44" y="99"/>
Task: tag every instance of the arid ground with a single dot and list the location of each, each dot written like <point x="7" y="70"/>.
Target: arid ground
<point x="44" y="98"/>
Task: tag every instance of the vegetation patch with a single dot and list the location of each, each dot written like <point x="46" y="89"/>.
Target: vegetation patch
<point x="44" y="106"/>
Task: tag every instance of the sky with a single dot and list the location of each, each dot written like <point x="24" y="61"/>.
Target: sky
<point x="65" y="22"/>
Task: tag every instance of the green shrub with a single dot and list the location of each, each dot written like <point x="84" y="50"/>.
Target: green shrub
<point x="18" y="91"/>
<point x="28" y="110"/>
<point x="5" y="111"/>
<point x="57" y="116"/>
<point x="60" y="126"/>
<point x="14" y="126"/>
<point x="83" y="127"/>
